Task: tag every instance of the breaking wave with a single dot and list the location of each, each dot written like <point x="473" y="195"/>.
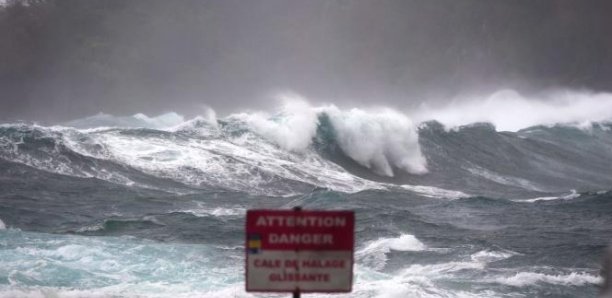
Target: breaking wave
<point x="508" y="110"/>
<point x="300" y="147"/>
<point x="374" y="253"/>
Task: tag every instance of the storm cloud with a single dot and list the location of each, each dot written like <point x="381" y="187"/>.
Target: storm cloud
<point x="67" y="59"/>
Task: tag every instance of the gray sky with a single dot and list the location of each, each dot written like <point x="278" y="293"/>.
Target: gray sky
<point x="231" y="55"/>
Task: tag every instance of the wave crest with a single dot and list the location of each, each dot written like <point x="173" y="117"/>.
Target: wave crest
<point x="508" y="110"/>
<point x="378" y="140"/>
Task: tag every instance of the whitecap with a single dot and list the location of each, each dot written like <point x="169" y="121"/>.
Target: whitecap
<point x="502" y="107"/>
<point x="404" y="242"/>
<point x="374" y="284"/>
<point x="572" y="195"/>
<point x="292" y="128"/>
<point x="379" y="139"/>
<point x="488" y="256"/>
<point x="503" y="179"/>
<point x="374" y="253"/>
<point x="217" y="211"/>
<point x="530" y="278"/>
<point x="243" y="163"/>
<point x="91" y="228"/>
<point x="435" y="192"/>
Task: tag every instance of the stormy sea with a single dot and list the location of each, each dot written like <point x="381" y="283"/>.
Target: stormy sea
<point x="154" y="206"/>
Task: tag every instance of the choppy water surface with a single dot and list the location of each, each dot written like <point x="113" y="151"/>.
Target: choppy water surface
<point x="155" y="207"/>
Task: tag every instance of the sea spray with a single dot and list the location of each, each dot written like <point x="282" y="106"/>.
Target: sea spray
<point x="509" y="110"/>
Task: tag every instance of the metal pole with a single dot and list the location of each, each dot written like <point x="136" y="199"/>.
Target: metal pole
<point x="296" y="293"/>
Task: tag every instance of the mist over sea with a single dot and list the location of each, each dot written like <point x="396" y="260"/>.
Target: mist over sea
<point x="499" y="196"/>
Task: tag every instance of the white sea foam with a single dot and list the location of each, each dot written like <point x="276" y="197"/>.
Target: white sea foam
<point x="442" y="268"/>
<point x="411" y="287"/>
<point x="244" y="163"/>
<point x="380" y="285"/>
<point x="425" y="274"/>
<point x="404" y="242"/>
<point x="388" y="288"/>
<point x="203" y="211"/>
<point x="374" y="253"/>
<point x="510" y="111"/>
<point x="503" y="179"/>
<point x="44" y="265"/>
<point x="572" y="195"/>
<point x="292" y="128"/>
<point x="52" y="159"/>
<point x="435" y="192"/>
<point x="379" y="140"/>
<point x="274" y="151"/>
<point x="145" y="289"/>
<point x="40" y="264"/>
<point x="49" y="292"/>
<point x="522" y="279"/>
<point x="488" y="256"/>
<point x="420" y="280"/>
<point x="477" y="261"/>
<point x="91" y="228"/>
<point x="2" y="225"/>
<point x="206" y="125"/>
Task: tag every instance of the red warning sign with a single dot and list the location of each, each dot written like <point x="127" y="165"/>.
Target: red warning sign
<point x="305" y="251"/>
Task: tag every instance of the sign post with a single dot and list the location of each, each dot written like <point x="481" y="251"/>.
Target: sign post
<point x="299" y="251"/>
